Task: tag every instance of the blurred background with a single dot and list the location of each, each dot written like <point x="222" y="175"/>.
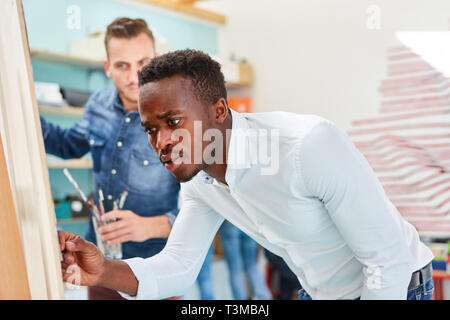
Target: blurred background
<point x="378" y="69"/>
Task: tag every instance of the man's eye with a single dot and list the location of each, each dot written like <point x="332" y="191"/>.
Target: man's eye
<point x="173" y="122"/>
<point x="151" y="130"/>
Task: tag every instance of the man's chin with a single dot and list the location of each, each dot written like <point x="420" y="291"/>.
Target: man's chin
<point x="183" y="176"/>
<point x="130" y="95"/>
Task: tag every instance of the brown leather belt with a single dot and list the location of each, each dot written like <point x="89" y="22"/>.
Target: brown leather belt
<point x="421" y="276"/>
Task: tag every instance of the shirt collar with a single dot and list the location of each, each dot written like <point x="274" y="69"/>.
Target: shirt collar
<point x="240" y="148"/>
<point x="240" y="151"/>
<point x="117" y="103"/>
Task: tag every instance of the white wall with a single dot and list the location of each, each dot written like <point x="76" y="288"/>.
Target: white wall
<point x="319" y="56"/>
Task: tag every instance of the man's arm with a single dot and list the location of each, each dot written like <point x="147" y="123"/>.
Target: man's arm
<point x="172" y="271"/>
<point x="66" y="143"/>
<point x="71" y="142"/>
<point x="169" y="273"/>
<point x="334" y="171"/>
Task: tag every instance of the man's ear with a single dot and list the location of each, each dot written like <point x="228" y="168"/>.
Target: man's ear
<point x="220" y="110"/>
<point x="107" y="70"/>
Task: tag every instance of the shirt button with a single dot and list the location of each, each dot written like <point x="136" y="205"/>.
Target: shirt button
<point x="127" y="119"/>
<point x="92" y="141"/>
<point x="259" y="223"/>
<point x="110" y="197"/>
<point x="119" y="143"/>
<point x="306" y="267"/>
<point x="113" y="171"/>
<point x="145" y="162"/>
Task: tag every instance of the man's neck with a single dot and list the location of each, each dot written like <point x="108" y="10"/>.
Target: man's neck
<point x="128" y="104"/>
<point x="219" y="170"/>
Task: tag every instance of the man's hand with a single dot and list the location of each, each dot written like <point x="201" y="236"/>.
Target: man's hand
<point x="83" y="263"/>
<point x="132" y="227"/>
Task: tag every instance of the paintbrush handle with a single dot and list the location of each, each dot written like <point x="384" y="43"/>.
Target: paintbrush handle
<point x="75" y="184"/>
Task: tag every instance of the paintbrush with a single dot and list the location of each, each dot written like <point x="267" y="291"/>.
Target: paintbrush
<point x="101" y="198"/>
<point x="89" y="203"/>
<point x="123" y="197"/>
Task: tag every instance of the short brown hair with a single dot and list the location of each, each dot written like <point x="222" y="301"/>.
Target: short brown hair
<point x="127" y="28"/>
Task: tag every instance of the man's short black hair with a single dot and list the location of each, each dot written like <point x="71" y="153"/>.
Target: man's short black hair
<point x="207" y="79"/>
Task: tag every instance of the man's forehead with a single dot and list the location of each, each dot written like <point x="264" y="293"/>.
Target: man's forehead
<point x="170" y="86"/>
<point x="154" y="101"/>
<point x="135" y="48"/>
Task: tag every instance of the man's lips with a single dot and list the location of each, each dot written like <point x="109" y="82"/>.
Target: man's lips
<point x="172" y="155"/>
<point x="171" y="165"/>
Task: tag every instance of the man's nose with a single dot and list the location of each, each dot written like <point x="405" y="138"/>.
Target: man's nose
<point x="164" y="140"/>
<point x="133" y="75"/>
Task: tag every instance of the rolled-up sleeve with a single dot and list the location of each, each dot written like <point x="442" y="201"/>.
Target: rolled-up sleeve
<point x="333" y="170"/>
<point x="172" y="271"/>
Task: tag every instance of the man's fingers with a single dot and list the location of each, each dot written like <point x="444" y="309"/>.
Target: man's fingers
<point x="68" y="258"/>
<point x="77" y="245"/>
<point x="112" y="226"/>
<point x="62" y="240"/>
<point x="64" y="236"/>
<point x="115" y="234"/>
<point x="72" y="275"/>
<point x="114" y="214"/>
<point x="124" y="238"/>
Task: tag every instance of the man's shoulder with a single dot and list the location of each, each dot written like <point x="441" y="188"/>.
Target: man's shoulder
<point x="196" y="186"/>
<point x="103" y="98"/>
<point x="287" y="123"/>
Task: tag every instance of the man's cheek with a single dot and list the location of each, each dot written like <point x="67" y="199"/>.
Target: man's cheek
<point x="153" y="145"/>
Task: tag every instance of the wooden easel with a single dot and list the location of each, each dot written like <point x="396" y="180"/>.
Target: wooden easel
<point x="29" y="259"/>
<point x="15" y="285"/>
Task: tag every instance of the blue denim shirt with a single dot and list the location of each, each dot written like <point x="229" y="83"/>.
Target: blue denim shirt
<point x="122" y="158"/>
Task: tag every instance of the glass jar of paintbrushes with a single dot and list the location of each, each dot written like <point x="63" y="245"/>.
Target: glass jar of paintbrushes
<point x="111" y="251"/>
<point x="115" y="250"/>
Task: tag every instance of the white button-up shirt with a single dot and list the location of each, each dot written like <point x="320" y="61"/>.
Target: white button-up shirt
<point x="323" y="211"/>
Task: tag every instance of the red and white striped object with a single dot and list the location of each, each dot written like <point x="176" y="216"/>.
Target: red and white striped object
<point x="408" y="144"/>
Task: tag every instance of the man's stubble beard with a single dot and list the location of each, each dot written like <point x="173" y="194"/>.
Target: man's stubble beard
<point x="127" y="97"/>
<point x="188" y="178"/>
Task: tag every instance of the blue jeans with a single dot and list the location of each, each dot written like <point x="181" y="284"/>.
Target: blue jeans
<point x="204" y="278"/>
<point x="241" y="256"/>
<point x="422" y="292"/>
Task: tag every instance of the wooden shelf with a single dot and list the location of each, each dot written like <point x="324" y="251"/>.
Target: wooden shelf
<point x="71" y="164"/>
<point x="244" y="72"/>
<point x="235" y="85"/>
<point x="65" y="111"/>
<point x="72" y="220"/>
<point x="187" y="7"/>
<point x="244" y="69"/>
<point x="47" y="56"/>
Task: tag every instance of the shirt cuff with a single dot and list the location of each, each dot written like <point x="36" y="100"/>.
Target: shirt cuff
<point x="147" y="284"/>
